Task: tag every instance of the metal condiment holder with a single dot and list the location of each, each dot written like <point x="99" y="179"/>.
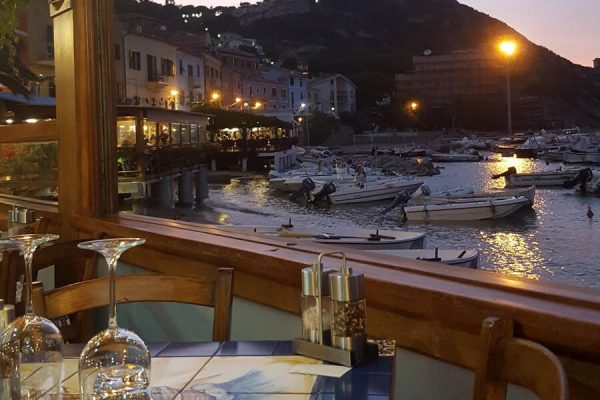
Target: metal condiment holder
<point x="320" y="351"/>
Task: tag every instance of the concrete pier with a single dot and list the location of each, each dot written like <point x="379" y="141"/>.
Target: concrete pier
<point x="186" y="195"/>
<point x="162" y="192"/>
<point x="201" y="184"/>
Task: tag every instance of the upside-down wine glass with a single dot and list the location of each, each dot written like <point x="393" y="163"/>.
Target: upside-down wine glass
<point x="115" y="364"/>
<point x="38" y="340"/>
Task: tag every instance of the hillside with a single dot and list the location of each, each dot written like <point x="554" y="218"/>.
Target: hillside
<point x="370" y="41"/>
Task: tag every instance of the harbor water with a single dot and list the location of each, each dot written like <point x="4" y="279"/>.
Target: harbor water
<point x="553" y="241"/>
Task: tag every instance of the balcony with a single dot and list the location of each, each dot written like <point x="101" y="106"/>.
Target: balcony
<point x="157" y="82"/>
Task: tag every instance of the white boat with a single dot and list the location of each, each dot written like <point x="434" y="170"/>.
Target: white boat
<point x="572" y="157"/>
<point x="454" y="157"/>
<point x="546" y="178"/>
<point x="592" y="158"/>
<point x="371" y="191"/>
<point x="473" y="210"/>
<point x="459" y="258"/>
<point x="528" y="193"/>
<point x="356" y="238"/>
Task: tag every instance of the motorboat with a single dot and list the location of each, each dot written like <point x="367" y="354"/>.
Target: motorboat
<point x="586" y="181"/>
<point x="455" y="157"/>
<point x="355" y="238"/>
<point x="545" y="178"/>
<point x="352" y="193"/>
<point x="459" y="258"/>
<point x="528" y="193"/>
<point x="465" y="210"/>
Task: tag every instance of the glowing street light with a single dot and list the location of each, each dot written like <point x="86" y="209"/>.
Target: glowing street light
<point x="215" y="96"/>
<point x="508" y="48"/>
<point x="257" y="105"/>
<point x="413" y="106"/>
<point x="238" y="100"/>
<point x="174" y="93"/>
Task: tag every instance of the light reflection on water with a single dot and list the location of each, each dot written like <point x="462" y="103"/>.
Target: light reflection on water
<point x="555" y="240"/>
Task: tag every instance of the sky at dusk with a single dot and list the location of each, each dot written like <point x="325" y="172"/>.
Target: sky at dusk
<point x="567" y="27"/>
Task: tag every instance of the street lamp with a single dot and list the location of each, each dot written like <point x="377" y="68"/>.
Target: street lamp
<point x="508" y="48"/>
<point x="413" y="106"/>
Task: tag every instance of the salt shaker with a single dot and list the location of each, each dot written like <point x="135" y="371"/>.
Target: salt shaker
<point x="312" y="320"/>
<point x="348" y="309"/>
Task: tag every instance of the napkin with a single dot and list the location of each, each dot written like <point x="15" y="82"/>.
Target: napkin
<point x="333" y="371"/>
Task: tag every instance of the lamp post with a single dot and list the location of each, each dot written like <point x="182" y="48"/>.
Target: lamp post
<point x="302" y="108"/>
<point x="508" y="48"/>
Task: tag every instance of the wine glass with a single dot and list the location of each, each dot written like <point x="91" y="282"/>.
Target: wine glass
<point x="115" y="364"/>
<point x="39" y="341"/>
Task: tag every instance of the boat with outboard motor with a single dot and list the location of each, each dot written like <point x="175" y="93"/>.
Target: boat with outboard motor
<point x="586" y="181"/>
<point x="458" y="258"/>
<point x="528" y="193"/>
<point x="464" y="210"/>
<point x="545" y="178"/>
<point x="356" y="238"/>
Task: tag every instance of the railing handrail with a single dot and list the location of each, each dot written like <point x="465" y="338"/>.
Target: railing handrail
<point x="43" y="131"/>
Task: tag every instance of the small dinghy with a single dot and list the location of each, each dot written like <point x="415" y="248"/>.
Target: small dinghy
<point x="465" y="209"/>
<point x="356" y="238"/>
<point x="546" y="178"/>
<point x="459" y="258"/>
<point x="352" y="193"/>
<point x="528" y="193"/>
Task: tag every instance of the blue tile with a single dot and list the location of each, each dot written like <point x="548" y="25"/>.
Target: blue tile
<point x="156" y="347"/>
<point x="359" y="385"/>
<point x="254" y="348"/>
<point x="284" y="349"/>
<point x="72" y="350"/>
<point x="192" y="349"/>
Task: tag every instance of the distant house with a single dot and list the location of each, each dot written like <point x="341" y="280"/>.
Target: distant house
<point x="332" y="94"/>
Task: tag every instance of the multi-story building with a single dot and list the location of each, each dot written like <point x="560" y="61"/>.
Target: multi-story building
<point x="190" y="78"/>
<point x="440" y="79"/>
<point x="150" y="71"/>
<point x="298" y="90"/>
<point x="332" y="94"/>
<point x="597" y="64"/>
<point x="36" y="45"/>
<point x="213" y="78"/>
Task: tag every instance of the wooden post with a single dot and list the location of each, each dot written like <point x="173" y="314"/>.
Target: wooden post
<point x="487" y="384"/>
<point x="85" y="109"/>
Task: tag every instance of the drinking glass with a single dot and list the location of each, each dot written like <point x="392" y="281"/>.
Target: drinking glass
<point x="38" y="339"/>
<point x="115" y="364"/>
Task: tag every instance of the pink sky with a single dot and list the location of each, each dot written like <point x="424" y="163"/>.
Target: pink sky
<point x="567" y="27"/>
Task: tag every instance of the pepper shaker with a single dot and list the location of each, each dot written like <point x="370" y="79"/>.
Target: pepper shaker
<point x="348" y="309"/>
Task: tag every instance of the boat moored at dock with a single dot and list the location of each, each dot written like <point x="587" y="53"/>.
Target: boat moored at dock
<point x="458" y="258"/>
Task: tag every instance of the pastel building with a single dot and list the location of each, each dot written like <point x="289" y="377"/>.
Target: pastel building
<point x="333" y="94"/>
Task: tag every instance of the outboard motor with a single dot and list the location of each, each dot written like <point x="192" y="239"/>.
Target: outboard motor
<point x="510" y="171"/>
<point x="583" y="177"/>
<point x="307" y="186"/>
<point x="326" y="190"/>
<point x="401" y="199"/>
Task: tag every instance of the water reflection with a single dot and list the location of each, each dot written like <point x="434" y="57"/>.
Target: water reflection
<point x="515" y="253"/>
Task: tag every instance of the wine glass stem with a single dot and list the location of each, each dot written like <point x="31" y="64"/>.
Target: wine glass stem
<point x="29" y="282"/>
<point x="112" y="310"/>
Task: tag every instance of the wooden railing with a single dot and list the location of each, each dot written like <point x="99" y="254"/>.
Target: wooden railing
<point x="43" y="131"/>
<point x="425" y="308"/>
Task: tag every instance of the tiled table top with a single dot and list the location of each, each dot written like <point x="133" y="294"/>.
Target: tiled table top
<point x="243" y="371"/>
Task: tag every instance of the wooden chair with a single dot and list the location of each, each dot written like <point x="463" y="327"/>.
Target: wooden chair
<point x="213" y="292"/>
<point x="518" y="361"/>
<point x="73" y="263"/>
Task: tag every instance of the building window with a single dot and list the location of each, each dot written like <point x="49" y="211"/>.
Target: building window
<point x="282" y="92"/>
<point x="181" y="70"/>
<point x="301" y="82"/>
<point x="167" y="67"/>
<point x="151" y="64"/>
<point x="190" y="70"/>
<point x="251" y="90"/>
<point x="117" y="52"/>
<point x="135" y="60"/>
<point x="126" y="132"/>
<point x="274" y="92"/>
<point x="292" y="81"/>
<point x="198" y="70"/>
